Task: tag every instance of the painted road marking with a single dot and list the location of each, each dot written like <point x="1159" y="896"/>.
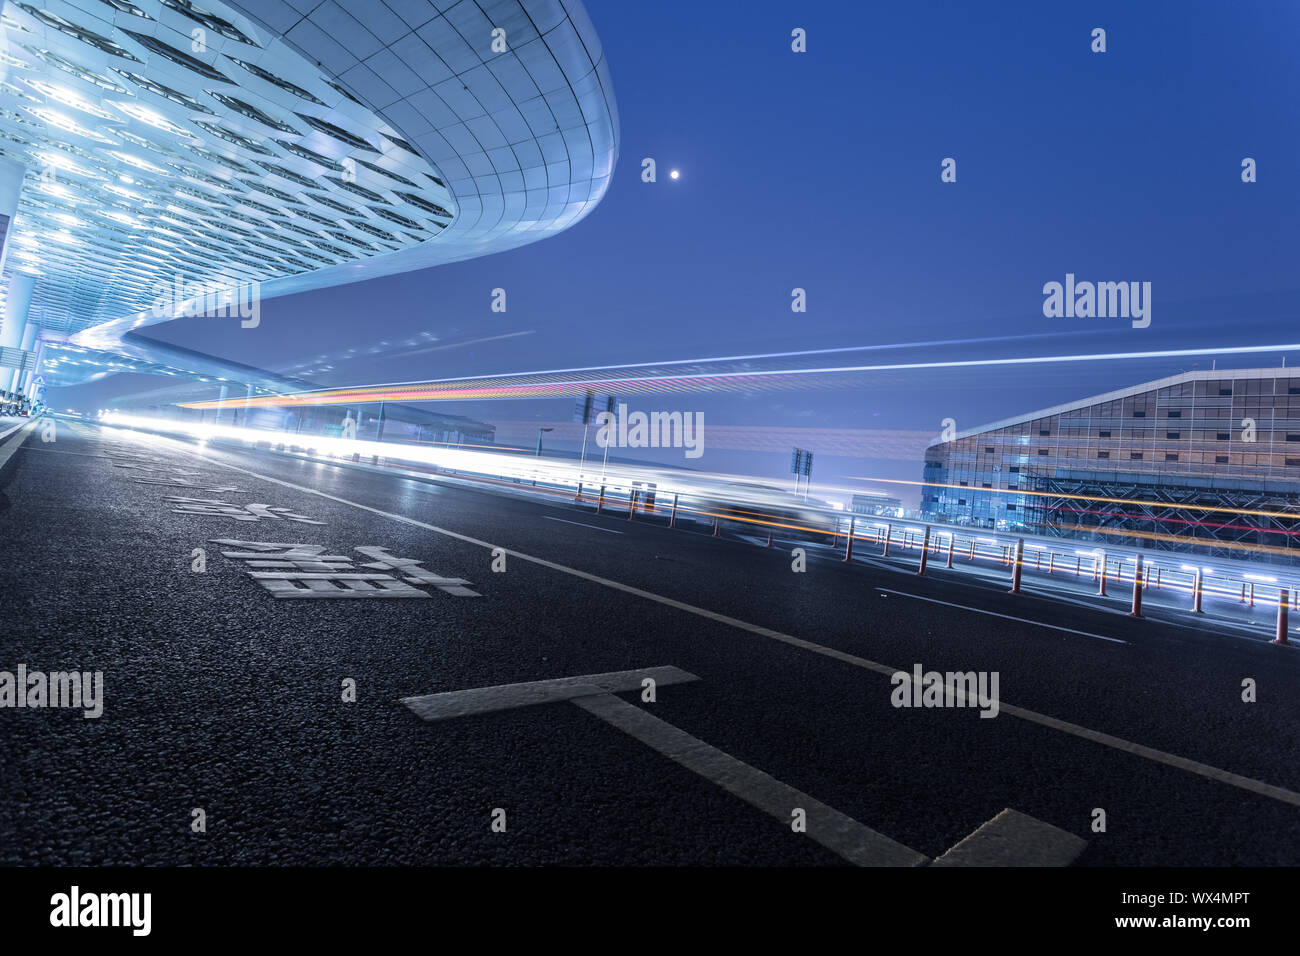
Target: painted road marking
<point x="1009" y="839"/>
<point x="483" y="700"/>
<point x="840" y="834"/>
<point x="1022" y="620"/>
<point x="7" y="451"/>
<point x="1015" y="839"/>
<point x="1106" y="740"/>
<point x="581" y="525"/>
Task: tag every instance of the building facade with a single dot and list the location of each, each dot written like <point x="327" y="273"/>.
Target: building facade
<point x="1201" y="460"/>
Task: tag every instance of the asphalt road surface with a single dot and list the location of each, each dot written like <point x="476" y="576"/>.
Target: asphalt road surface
<point x="772" y="690"/>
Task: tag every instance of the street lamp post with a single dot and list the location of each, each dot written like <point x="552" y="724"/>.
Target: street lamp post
<point x="539" y="448"/>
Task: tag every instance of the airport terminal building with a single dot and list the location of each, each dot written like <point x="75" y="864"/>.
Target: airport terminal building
<point x="1196" y="460"/>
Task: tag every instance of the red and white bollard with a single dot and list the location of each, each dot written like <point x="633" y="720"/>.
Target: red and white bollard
<point x="1015" y="570"/>
<point x="971" y="557"/>
<point x="848" y="544"/>
<point x="631" y="505"/>
<point x="889" y="533"/>
<point x="952" y="541"/>
<point x="925" y="550"/>
<point x="600" y="502"/>
<point x="1281" y="636"/>
<point x="1051" y="562"/>
<point x="1101" y="590"/>
<point x="1196" y="593"/>
<point x="1136" y="609"/>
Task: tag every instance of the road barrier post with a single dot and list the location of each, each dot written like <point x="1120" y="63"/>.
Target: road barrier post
<point x="1281" y="636"/>
<point x="1078" y="563"/>
<point x="717" y="524"/>
<point x="1051" y="562"/>
<point x="1196" y="592"/>
<point x="578" y="498"/>
<point x="600" y="502"/>
<point x="1242" y="599"/>
<point x="1136" y="609"/>
<point x="972" y="552"/>
<point x="952" y="543"/>
<point x="889" y="533"/>
<point x="848" y="544"/>
<point x="1038" y="560"/>
<point x="1101" y="591"/>
<point x="925" y="551"/>
<point x="1019" y="560"/>
<point x="631" y="505"/>
<point x="1159" y="572"/>
<point x="769" y="537"/>
<point x="1252" y="595"/>
<point x="672" y="519"/>
<point x="1004" y="554"/>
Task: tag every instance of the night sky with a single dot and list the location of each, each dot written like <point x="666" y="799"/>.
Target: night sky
<point x="822" y="170"/>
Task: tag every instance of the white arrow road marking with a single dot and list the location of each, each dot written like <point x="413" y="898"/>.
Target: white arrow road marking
<point x="1011" y="838"/>
<point x="1015" y="839"/>
<point x="482" y="700"/>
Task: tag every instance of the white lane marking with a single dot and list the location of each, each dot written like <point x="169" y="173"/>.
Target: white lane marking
<point x="581" y="525"/>
<point x="1013" y="838"/>
<point x="483" y="700"/>
<point x="840" y="834"/>
<point x="1116" y="743"/>
<point x="7" y="451"/>
<point x="1022" y="620"/>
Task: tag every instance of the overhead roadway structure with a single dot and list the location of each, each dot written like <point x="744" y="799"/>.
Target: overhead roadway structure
<point x="296" y="145"/>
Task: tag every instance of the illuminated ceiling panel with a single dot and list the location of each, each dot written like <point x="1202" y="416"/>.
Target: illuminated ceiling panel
<point x="229" y="143"/>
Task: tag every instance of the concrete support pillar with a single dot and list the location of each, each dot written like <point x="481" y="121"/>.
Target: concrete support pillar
<point x="13" y="328"/>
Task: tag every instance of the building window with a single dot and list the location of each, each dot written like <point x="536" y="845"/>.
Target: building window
<point x="1292" y="462"/>
<point x="1135" y="415"/>
<point x="1292" y="436"/>
<point x="1225" y="391"/>
<point x="1100" y="454"/>
<point x="1015" y="469"/>
<point x="1177" y="413"/>
<point x="988" y="484"/>
<point x="1009" y="507"/>
<point x="1169" y="456"/>
<point x="961" y="501"/>
<point x="1171" y="434"/>
<point x="1043" y="451"/>
<point x="1105" y="434"/>
<point x="988" y="450"/>
<point x="1044" y="432"/>
<point x="1293" y="390"/>
<point x="1220" y="459"/>
<point x="1222" y="436"/>
<point x="1135" y="455"/>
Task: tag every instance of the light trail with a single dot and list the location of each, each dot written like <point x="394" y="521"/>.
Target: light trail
<point x="518" y="385"/>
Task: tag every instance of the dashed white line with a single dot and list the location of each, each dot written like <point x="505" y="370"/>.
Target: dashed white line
<point x="1009" y="617"/>
<point x="581" y="525"/>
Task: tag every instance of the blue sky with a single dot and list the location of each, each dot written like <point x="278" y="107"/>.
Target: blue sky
<point x="821" y="170"/>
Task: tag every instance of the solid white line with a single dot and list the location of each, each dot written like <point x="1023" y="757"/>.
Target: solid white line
<point x="857" y="843"/>
<point x="581" y="525"/>
<point x="1116" y="743"/>
<point x="1022" y="620"/>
